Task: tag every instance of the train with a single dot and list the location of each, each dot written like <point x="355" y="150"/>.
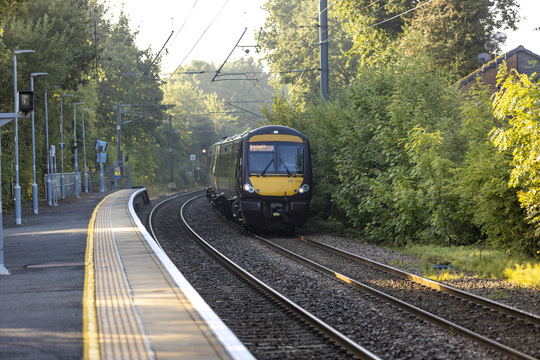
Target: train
<point x="262" y="178"/>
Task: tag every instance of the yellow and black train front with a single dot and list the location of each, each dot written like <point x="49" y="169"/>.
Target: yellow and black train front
<point x="262" y="178"/>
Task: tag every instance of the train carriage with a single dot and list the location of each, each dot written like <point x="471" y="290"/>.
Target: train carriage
<point x="262" y="178"/>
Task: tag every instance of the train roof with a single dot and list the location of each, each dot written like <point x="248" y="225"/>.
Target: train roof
<point x="268" y="129"/>
<point x="275" y="129"/>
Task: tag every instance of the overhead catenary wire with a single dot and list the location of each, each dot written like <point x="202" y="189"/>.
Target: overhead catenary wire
<point x="184" y="23"/>
<point x="156" y="57"/>
<point x="223" y="64"/>
<point x="194" y="46"/>
<point x="380" y="22"/>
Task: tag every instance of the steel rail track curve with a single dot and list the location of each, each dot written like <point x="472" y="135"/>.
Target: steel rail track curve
<point x="329" y="331"/>
<point x="520" y="314"/>
<point x="161" y="203"/>
<point x="434" y="319"/>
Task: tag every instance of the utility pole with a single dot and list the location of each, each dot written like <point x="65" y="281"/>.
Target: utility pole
<point x="118" y="127"/>
<point x="170" y="148"/>
<point x="323" y="39"/>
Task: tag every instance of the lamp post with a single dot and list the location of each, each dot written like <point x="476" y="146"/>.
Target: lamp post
<point x="18" y="219"/>
<point x="75" y="149"/>
<point x="84" y="151"/>
<point x="48" y="185"/>
<point x="62" y="145"/>
<point x="34" y="185"/>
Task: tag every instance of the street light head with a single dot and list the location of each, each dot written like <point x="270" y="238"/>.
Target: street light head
<point x="18" y="52"/>
<point x="87" y="109"/>
<point x="65" y="95"/>
<point x="79" y="103"/>
<point x="26" y="101"/>
<point x="38" y="74"/>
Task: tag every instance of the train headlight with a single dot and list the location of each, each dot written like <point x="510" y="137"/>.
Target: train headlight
<point x="304" y="188"/>
<point x="249" y="188"/>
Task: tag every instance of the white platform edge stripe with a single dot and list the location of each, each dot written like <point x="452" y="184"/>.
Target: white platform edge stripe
<point x="227" y="338"/>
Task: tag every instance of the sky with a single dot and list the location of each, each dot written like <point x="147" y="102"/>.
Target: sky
<point x="209" y="29"/>
<point x="197" y="36"/>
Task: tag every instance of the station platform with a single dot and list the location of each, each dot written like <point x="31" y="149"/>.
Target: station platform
<point x="87" y="281"/>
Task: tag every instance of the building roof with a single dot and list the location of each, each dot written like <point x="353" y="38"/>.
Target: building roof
<point x="526" y="62"/>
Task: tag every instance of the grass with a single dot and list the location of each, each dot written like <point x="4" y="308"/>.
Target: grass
<point x="476" y="261"/>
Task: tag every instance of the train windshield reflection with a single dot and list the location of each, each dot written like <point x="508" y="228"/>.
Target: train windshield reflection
<point x="276" y="158"/>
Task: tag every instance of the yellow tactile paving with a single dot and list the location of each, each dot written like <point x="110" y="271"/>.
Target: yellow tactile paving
<point x="139" y="310"/>
<point x="120" y="332"/>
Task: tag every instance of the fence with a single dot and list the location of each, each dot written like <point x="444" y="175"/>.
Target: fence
<point x="114" y="178"/>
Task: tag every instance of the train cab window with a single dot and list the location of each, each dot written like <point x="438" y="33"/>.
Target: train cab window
<point x="291" y="158"/>
<point x="276" y="158"/>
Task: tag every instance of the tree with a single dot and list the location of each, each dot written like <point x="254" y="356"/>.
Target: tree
<point x="517" y="103"/>
<point x="455" y="31"/>
<point x="241" y="85"/>
<point x="58" y="32"/>
<point x="126" y="77"/>
<point x="290" y="43"/>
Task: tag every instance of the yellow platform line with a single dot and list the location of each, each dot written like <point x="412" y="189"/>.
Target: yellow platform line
<point x="90" y="323"/>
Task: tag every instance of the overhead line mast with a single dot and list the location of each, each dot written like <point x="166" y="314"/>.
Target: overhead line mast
<point x="323" y="37"/>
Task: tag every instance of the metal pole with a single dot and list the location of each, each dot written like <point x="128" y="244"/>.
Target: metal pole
<point x="3" y="270"/>
<point x="323" y="37"/>
<point x="170" y="148"/>
<point x="75" y="146"/>
<point x="34" y="184"/>
<point x="53" y="155"/>
<point x="101" y="170"/>
<point x="62" y="146"/>
<point x="118" y="132"/>
<point x="48" y="185"/>
<point x="84" y="151"/>
<point x="17" y="188"/>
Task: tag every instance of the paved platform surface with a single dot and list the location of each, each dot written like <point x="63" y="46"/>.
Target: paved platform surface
<point x="86" y="282"/>
<point x="40" y="302"/>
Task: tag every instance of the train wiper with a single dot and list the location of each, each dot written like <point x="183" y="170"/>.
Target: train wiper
<point x="285" y="166"/>
<point x="267" y="166"/>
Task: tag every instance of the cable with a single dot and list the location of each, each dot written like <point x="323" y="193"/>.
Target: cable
<point x="181" y="27"/>
<point x="204" y="32"/>
<point x="155" y="58"/>
<point x="380" y="22"/>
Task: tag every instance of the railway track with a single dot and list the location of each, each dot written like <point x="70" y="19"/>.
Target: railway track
<point x="268" y="323"/>
<point x="510" y="331"/>
<point x="378" y="281"/>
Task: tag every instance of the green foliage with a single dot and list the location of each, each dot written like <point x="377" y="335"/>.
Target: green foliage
<point x="290" y="45"/>
<point x="474" y="261"/>
<point x="524" y="275"/>
<point x="481" y="180"/>
<point x="454" y="32"/>
<point x="58" y="32"/>
<point x="517" y="103"/>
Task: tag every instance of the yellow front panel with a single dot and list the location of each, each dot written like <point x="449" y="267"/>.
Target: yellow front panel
<point x="276" y="185"/>
<point x="275" y="137"/>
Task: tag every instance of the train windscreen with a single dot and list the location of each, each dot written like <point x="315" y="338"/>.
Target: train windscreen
<point x="276" y="158"/>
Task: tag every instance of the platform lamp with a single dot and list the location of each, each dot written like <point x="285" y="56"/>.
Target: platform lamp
<point x="34" y="185"/>
<point x="62" y="145"/>
<point x="84" y="151"/>
<point x="17" y="188"/>
<point x="75" y="146"/>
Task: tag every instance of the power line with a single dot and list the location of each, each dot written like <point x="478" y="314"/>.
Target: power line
<point x="181" y="27"/>
<point x="380" y="22"/>
<point x="204" y="32"/>
<point x="221" y="67"/>
<point x="157" y="55"/>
